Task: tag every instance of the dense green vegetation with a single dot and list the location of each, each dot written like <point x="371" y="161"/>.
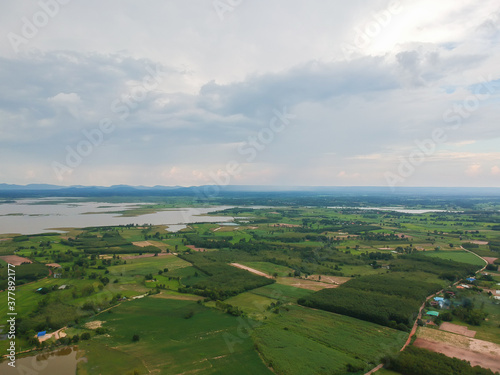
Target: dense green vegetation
<point x="170" y="343"/>
<point x="417" y="361"/>
<point x="386" y="310"/>
<point x="303" y="341"/>
<point x="188" y="298"/>
<point x="395" y="284"/>
<point x="223" y="280"/>
<point x="25" y="273"/>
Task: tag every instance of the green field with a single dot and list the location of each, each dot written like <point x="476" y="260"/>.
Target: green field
<point x="144" y="266"/>
<point x="304" y="341"/>
<point x="199" y="315"/>
<point x="169" y="343"/>
<point x="457" y="256"/>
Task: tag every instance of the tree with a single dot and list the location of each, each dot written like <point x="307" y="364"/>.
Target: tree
<point x="135" y="337"/>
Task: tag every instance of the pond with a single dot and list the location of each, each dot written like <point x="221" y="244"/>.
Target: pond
<point x="59" y="362"/>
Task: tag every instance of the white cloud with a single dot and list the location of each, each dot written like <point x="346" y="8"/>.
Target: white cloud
<point x="355" y="115"/>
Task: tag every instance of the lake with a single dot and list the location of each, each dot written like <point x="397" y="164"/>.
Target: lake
<point x="30" y="216"/>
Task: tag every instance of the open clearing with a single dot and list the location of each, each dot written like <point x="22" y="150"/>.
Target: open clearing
<point x="490" y="260"/>
<point x="15" y="260"/>
<point x="454" y="328"/>
<point x="269" y="268"/>
<point x="252" y="270"/>
<point x="337" y="280"/>
<point x="304" y="284"/>
<point x="476" y="359"/>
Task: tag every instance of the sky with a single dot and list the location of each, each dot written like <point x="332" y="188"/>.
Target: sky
<point x="261" y="92"/>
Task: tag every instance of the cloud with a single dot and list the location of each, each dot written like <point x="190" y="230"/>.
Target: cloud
<point x="473" y="170"/>
<point x="220" y="85"/>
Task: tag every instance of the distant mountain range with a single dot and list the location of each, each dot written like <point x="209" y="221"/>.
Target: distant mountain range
<point x="46" y="190"/>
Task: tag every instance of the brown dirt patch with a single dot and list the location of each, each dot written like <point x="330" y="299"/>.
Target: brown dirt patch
<point x="252" y="270"/>
<point x="146" y="256"/>
<point x="476" y="359"/>
<point x="490" y="260"/>
<point x="337" y="280"/>
<point x="176" y="297"/>
<point x="479" y="242"/>
<point x="304" y="284"/>
<point x="449" y="338"/>
<point x="454" y="328"/>
<point x="200" y="249"/>
<point x="142" y="243"/>
<point x="95" y="324"/>
<point x="55" y="265"/>
<point x="15" y="259"/>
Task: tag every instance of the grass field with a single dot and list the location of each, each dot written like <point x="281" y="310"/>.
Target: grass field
<point x="306" y="341"/>
<point x="457" y="256"/>
<point x="144" y="266"/>
<point x="252" y="304"/>
<point x="169" y="343"/>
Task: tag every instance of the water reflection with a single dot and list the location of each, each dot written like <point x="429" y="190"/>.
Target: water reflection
<point x="59" y="362"/>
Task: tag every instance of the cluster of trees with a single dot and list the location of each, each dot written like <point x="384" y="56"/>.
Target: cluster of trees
<point x="394" y="284"/>
<point x="382" y="237"/>
<point x="391" y="311"/>
<point x="377" y="256"/>
<point x="229" y="309"/>
<point x="25" y="273"/>
<point x="469" y="314"/>
<point x="223" y="280"/>
<point x="110" y="243"/>
<point x="418" y="361"/>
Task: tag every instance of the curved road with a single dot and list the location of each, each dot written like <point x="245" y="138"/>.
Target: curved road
<point x="419" y="316"/>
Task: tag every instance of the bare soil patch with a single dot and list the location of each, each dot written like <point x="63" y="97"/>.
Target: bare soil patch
<point x="304" y="284"/>
<point x="180" y="298"/>
<point x="476" y="359"/>
<point x="15" y="259"/>
<point x="454" y="328"/>
<point x="55" y="265"/>
<point x="337" y="280"/>
<point x="479" y="242"/>
<point x="142" y="243"/>
<point x="146" y="256"/>
<point x="95" y="324"/>
<point x="252" y="270"/>
<point x="200" y="249"/>
<point x="449" y="338"/>
<point x="490" y="260"/>
<point x="56" y="335"/>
